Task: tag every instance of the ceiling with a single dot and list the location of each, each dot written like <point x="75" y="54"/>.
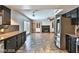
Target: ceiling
<point x="41" y="12"/>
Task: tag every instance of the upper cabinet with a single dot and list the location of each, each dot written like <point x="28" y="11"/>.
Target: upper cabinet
<point x="5" y="15"/>
<point x="73" y="15"/>
<point x="68" y="14"/>
<point x="78" y="15"/>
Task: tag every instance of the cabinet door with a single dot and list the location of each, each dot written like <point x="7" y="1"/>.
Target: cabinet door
<point x="64" y="15"/>
<point x="19" y="40"/>
<point x="10" y="44"/>
<point x="78" y="15"/>
<point x="68" y="41"/>
<point x="23" y="37"/>
<point x="73" y="45"/>
<point x="68" y="14"/>
<point x="6" y="17"/>
<point x="74" y="16"/>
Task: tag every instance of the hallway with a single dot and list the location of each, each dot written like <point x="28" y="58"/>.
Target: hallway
<point x="40" y="43"/>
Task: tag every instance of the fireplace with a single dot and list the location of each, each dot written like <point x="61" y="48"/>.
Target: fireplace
<point x="46" y="28"/>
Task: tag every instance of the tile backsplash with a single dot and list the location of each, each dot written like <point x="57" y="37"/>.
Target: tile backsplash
<point x="8" y="28"/>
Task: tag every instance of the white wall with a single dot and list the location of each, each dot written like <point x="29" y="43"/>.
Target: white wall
<point x="18" y="19"/>
<point x="45" y="23"/>
<point x="48" y="23"/>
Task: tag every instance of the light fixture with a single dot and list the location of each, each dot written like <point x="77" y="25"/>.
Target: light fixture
<point x="34" y="12"/>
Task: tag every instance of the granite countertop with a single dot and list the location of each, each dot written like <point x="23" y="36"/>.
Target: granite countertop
<point x="7" y="35"/>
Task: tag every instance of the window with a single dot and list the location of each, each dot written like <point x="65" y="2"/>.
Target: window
<point x="38" y="25"/>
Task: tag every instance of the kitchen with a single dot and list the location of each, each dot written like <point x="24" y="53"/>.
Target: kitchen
<point x="67" y="28"/>
<point x="11" y="36"/>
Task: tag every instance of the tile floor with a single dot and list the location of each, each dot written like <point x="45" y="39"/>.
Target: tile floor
<point x="40" y="43"/>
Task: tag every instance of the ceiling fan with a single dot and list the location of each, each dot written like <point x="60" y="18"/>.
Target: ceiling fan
<point x="34" y="12"/>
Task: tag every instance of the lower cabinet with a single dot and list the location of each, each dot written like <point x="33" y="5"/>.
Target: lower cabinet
<point x="19" y="40"/>
<point x="68" y="43"/>
<point x="71" y="44"/>
<point x="23" y="37"/>
<point x="12" y="44"/>
<point x="24" y="34"/>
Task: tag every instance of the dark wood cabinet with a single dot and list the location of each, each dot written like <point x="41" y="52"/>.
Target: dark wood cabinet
<point x="64" y="15"/>
<point x="68" y="14"/>
<point x="73" y="45"/>
<point x="6" y="17"/>
<point x="23" y="37"/>
<point x="73" y="15"/>
<point x="78" y="16"/>
<point x="19" y="40"/>
<point x="12" y="44"/>
<point x="5" y="13"/>
<point x="70" y="44"/>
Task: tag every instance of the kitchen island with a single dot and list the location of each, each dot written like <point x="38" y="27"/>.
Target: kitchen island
<point x="12" y="41"/>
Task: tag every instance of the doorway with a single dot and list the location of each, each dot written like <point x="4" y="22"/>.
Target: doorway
<point x="27" y="27"/>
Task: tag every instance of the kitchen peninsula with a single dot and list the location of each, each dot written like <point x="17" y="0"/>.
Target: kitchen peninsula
<point x="13" y="41"/>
